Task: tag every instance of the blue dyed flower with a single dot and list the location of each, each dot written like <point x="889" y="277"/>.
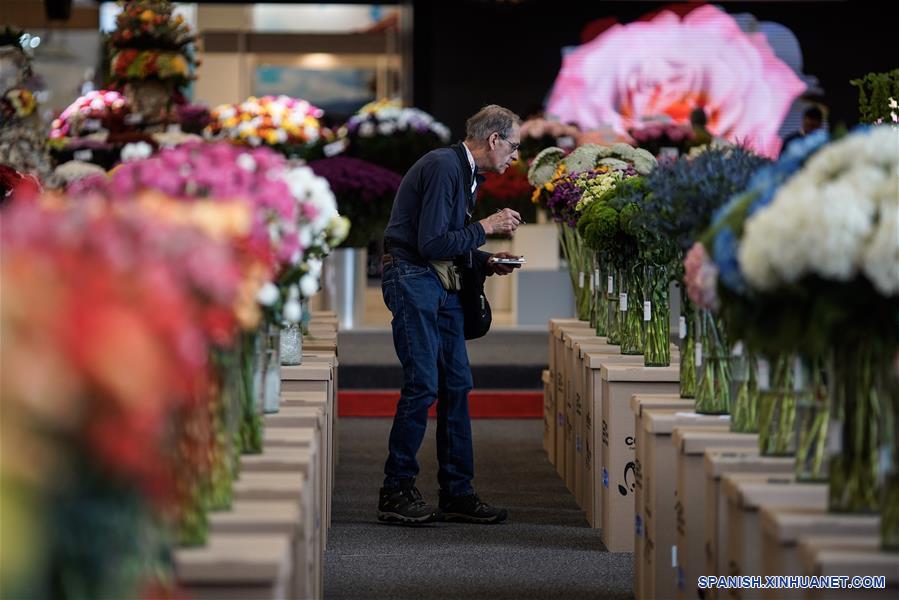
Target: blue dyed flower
<point x="726" y="246"/>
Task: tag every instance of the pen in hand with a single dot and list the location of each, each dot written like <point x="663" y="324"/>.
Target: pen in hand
<point x="520" y="220"/>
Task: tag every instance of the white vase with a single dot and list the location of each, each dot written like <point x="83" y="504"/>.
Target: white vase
<point x="271" y="369"/>
<point x="343" y="285"/>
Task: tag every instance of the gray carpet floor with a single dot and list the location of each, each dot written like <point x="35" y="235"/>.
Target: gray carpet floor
<point x="546" y="550"/>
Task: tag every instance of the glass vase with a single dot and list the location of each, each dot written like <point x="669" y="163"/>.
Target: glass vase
<point x="250" y="392"/>
<point x="591" y="285"/>
<point x="812" y="415"/>
<point x="686" y="343"/>
<point x="292" y="345"/>
<point x="712" y="359"/>
<point x="857" y="429"/>
<point x="781" y="381"/>
<point x="222" y="470"/>
<point x="889" y="503"/>
<point x="574" y="250"/>
<point x="600" y="307"/>
<point x="194" y="452"/>
<point x="271" y="377"/>
<point x="630" y="311"/>
<point x="743" y="391"/>
<point x="656" y="317"/>
<point x="613" y="284"/>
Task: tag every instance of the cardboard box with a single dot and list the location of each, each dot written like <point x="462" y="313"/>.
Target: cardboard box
<point x="284" y="423"/>
<point x="316" y="400"/>
<point x="620" y="382"/>
<point x="746" y="494"/>
<point x="278" y="517"/>
<point x="549" y="416"/>
<point x="690" y="508"/>
<point x="316" y="377"/>
<point x="638" y="403"/>
<point x="267" y="487"/>
<point x="782" y="529"/>
<point x="560" y="375"/>
<point x="719" y="462"/>
<point x="585" y="418"/>
<point x="850" y="556"/>
<point x="237" y="567"/>
<point x="571" y="398"/>
<point x="659" y="495"/>
<point x="281" y="461"/>
<point x="593" y="363"/>
<point x="593" y="357"/>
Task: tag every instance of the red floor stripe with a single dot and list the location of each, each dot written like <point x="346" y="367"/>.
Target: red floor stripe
<point x="501" y="404"/>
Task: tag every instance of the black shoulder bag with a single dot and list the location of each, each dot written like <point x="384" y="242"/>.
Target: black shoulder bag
<point x="475" y="306"/>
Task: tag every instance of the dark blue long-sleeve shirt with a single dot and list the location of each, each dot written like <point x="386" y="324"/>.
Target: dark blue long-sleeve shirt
<point x="431" y="208"/>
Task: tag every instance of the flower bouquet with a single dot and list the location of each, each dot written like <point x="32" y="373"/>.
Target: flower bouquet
<point x="822" y="261"/>
<point x="567" y="185"/>
<point x="294" y="224"/>
<point x="714" y="281"/>
<point x="288" y="125"/>
<point x="95" y="111"/>
<point x="151" y="56"/>
<point x="641" y="260"/>
<point x="390" y="136"/>
<point x="113" y="313"/>
<point x="364" y="194"/>
<point x="682" y="197"/>
<point x="23" y="133"/>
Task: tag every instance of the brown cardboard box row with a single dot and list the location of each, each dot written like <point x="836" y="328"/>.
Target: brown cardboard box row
<point x="712" y="506"/>
<point x="594" y="432"/>
<point x="271" y="543"/>
<point x="681" y="491"/>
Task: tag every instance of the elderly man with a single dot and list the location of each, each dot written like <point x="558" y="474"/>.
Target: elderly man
<point x="429" y="227"/>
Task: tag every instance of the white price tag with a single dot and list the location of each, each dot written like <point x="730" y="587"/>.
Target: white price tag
<point x="580" y="279"/>
<point x="682" y="328"/>
<point x="798" y="374"/>
<point x="697" y="354"/>
<point x="611" y="284"/>
<point x="92" y="124"/>
<point x="763" y="374"/>
<point x="834" y="437"/>
<point x="737" y="349"/>
<point x="173" y="128"/>
<point x="335" y="148"/>
<point x="622" y="302"/>
<point x="134" y="119"/>
<point x="85" y="155"/>
<point x="647" y="310"/>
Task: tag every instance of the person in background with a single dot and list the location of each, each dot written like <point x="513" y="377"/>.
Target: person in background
<point x="701" y="135"/>
<point x="430" y="225"/>
<point x="812" y="119"/>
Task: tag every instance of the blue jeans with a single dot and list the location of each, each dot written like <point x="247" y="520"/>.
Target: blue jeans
<point x="430" y="343"/>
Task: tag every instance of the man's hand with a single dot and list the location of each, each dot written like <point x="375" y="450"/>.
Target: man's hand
<point x="505" y="221"/>
<point x="501" y="269"/>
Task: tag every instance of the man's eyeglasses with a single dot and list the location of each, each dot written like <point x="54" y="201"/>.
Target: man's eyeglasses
<point x="512" y="146"/>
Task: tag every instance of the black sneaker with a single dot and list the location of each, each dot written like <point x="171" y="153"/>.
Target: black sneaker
<point x="404" y="506"/>
<point x="470" y="509"/>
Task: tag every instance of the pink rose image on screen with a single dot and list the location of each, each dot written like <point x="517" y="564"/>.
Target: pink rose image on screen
<point x="669" y="65"/>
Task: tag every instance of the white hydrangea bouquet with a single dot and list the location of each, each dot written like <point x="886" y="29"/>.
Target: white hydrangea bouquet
<point x="823" y="261"/>
<point x="837" y="219"/>
<point x="389" y="135"/>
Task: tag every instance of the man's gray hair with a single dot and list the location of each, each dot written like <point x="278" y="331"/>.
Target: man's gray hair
<point x="489" y="119"/>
